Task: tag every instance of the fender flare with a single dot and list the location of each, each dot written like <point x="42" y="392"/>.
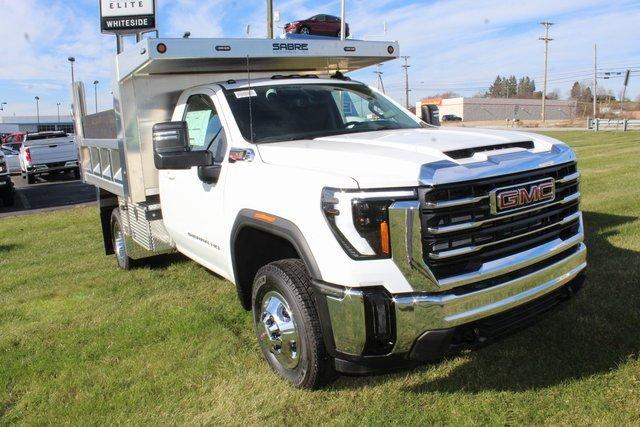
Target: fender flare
<point x="279" y="227"/>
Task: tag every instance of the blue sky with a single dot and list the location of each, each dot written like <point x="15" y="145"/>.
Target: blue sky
<point x="458" y="45"/>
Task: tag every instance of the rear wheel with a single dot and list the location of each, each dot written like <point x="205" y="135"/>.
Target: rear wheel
<point x="118" y="240"/>
<point x="287" y="324"/>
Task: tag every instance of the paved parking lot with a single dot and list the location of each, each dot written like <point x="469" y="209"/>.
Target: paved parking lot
<point x="48" y="193"/>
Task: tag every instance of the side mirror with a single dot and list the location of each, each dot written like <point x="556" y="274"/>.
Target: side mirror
<point x="171" y="149"/>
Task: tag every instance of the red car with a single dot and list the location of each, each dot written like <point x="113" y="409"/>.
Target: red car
<point x="319" y="25"/>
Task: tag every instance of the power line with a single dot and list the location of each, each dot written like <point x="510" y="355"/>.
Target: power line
<point x="380" y="83"/>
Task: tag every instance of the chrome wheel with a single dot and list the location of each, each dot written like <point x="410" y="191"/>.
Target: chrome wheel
<point x="278" y="333"/>
<point x="119" y="245"/>
<point x="304" y="30"/>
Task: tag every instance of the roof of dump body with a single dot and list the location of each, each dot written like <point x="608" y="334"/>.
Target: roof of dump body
<point x="187" y="56"/>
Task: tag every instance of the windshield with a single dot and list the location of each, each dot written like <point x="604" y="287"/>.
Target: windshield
<point x="307" y="111"/>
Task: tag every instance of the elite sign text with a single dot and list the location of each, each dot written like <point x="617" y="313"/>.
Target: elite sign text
<point x="126" y="17"/>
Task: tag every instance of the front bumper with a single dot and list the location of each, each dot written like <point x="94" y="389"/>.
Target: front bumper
<point x="366" y="332"/>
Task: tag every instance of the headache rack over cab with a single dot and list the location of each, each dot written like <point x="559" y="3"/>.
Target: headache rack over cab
<point x="116" y="145"/>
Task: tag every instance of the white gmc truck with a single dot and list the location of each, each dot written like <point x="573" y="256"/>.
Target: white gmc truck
<point x="361" y="238"/>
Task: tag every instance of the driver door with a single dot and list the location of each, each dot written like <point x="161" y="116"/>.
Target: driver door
<point x="193" y="209"/>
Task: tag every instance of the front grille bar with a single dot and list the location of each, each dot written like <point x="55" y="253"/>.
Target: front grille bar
<point x="470" y="249"/>
<point x="475" y="224"/>
<point x="569" y="178"/>
<point x="457" y="202"/>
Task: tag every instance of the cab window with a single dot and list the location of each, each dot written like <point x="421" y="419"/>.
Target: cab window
<point x="203" y="123"/>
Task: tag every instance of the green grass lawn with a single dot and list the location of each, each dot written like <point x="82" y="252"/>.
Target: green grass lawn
<point x="84" y="343"/>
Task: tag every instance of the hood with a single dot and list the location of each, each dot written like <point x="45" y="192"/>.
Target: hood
<point x="393" y="158"/>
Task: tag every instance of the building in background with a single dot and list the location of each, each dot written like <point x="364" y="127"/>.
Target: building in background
<point x="501" y="109"/>
<point x="10" y="124"/>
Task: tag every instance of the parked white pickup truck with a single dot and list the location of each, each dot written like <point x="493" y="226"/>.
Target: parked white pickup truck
<point x="361" y="238"/>
<point x="48" y="152"/>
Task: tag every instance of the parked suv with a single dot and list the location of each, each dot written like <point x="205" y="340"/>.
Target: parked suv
<point x="321" y="25"/>
<point x="6" y="185"/>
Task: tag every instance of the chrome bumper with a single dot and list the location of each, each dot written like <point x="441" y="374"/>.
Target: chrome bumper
<point x="44" y="168"/>
<point x="419" y="312"/>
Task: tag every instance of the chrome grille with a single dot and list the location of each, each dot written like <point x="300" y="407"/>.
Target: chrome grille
<point x="459" y="232"/>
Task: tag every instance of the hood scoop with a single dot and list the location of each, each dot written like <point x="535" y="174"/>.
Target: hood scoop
<point x="470" y="152"/>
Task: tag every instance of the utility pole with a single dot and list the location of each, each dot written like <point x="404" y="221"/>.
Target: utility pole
<point x="343" y="22"/>
<point x="595" y="80"/>
<point x="546" y="40"/>
<point x="406" y="80"/>
<point x="624" y="92"/>
<point x="269" y="19"/>
<point x="380" y="84"/>
<point x="58" y="105"/>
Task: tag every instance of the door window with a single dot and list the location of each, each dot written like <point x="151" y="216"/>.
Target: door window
<point x="203" y="123"/>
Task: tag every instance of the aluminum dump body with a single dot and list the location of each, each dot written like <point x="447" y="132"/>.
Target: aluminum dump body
<point x="116" y="147"/>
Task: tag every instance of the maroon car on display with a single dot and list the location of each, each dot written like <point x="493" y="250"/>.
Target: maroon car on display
<point x="318" y="25"/>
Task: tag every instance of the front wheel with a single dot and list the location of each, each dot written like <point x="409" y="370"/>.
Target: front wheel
<point x="287" y="324"/>
<point x="305" y="30"/>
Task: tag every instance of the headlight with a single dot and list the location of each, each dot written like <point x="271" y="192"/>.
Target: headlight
<point x="360" y="220"/>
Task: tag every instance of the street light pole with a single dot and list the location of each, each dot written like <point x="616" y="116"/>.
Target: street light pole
<point x="71" y="60"/>
<point x="546" y="40"/>
<point x="95" y="87"/>
<point x="2" y="106"/>
<point x="58" y="105"/>
<point x="38" y="111"/>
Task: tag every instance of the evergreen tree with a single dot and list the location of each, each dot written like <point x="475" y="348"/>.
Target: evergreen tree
<point x="496" y="90"/>
<point x="576" y="91"/>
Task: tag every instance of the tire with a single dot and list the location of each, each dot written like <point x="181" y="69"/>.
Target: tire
<point x="118" y="241"/>
<point x="8" y="199"/>
<point x="76" y="173"/>
<point x="282" y="301"/>
<point x="304" y="30"/>
<point x="31" y="179"/>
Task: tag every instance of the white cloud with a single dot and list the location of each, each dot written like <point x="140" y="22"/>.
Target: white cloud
<point x="453" y="44"/>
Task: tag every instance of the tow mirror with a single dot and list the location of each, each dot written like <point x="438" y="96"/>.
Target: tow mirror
<point x="171" y="149"/>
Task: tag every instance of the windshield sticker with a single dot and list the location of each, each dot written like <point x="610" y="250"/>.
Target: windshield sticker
<point x="245" y="94"/>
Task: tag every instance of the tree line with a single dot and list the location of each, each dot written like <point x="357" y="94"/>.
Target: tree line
<point x="512" y="87"/>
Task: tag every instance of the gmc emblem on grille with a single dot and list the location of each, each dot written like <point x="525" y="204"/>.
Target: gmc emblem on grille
<point x="522" y="195"/>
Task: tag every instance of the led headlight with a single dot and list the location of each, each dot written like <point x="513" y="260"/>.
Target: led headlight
<point x="360" y="220"/>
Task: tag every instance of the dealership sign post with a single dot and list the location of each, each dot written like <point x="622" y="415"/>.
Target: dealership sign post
<point x="127" y="17"/>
